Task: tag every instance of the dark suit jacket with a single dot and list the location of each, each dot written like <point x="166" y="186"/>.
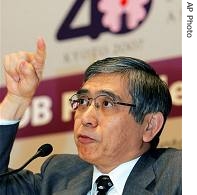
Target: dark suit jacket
<point x="157" y="172"/>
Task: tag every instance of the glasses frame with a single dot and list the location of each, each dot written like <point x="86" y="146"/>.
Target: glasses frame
<point x="90" y="100"/>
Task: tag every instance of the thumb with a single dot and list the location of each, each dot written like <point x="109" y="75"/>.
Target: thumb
<point x="29" y="80"/>
<point x="27" y="73"/>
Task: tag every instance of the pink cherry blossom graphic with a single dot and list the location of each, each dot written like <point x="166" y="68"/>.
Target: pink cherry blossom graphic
<point x="114" y="9"/>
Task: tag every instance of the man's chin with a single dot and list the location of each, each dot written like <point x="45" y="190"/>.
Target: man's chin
<point x="88" y="157"/>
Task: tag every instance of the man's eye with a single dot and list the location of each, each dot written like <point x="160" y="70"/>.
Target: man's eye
<point x="107" y="103"/>
<point x="83" y="101"/>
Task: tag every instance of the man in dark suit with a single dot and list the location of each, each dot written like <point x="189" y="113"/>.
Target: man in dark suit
<point x="120" y="112"/>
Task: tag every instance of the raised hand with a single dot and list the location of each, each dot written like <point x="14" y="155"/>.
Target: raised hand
<point x="23" y="73"/>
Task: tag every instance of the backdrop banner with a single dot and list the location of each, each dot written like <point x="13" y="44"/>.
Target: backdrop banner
<point x="77" y="33"/>
<point x="50" y="111"/>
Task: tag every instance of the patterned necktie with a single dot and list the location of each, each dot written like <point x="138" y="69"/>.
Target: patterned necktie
<point x="104" y="183"/>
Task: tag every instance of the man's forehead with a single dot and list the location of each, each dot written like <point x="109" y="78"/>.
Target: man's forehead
<point x="97" y="92"/>
<point x="109" y="82"/>
<point x="107" y="78"/>
<point x="108" y="92"/>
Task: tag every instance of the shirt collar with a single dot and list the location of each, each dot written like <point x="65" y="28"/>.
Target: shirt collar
<point x="118" y="175"/>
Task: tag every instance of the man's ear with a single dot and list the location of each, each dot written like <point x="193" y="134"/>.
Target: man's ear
<point x="153" y="123"/>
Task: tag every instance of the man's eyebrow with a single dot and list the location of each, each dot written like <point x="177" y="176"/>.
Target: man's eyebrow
<point x="81" y="91"/>
<point x="109" y="93"/>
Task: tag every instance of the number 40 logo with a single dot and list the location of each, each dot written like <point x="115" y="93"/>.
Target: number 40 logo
<point x="116" y="16"/>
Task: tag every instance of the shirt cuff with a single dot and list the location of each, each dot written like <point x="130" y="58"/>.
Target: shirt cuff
<point x="8" y="122"/>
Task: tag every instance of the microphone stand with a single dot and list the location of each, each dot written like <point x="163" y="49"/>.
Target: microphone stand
<point x="43" y="151"/>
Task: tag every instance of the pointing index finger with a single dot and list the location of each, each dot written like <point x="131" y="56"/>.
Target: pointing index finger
<point x="41" y="48"/>
<point x="38" y="58"/>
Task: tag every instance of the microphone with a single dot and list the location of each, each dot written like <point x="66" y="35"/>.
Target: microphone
<point x="42" y="151"/>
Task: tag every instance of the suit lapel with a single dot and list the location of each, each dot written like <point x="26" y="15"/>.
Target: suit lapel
<point x="140" y="180"/>
<point x="141" y="177"/>
<point x="80" y="185"/>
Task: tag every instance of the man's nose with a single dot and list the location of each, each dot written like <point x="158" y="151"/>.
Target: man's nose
<point x="89" y="116"/>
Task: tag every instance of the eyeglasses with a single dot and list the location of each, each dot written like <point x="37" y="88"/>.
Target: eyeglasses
<point x="105" y="103"/>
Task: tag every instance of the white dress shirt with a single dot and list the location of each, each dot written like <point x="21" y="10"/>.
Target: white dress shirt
<point x="118" y="177"/>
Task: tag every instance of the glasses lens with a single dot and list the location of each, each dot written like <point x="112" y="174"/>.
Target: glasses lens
<point x="104" y="102"/>
<point x="79" y="101"/>
<point x="74" y="101"/>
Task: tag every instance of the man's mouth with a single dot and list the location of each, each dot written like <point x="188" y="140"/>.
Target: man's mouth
<point x="85" y="139"/>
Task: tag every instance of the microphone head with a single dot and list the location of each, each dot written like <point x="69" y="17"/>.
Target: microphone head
<point x="44" y="150"/>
